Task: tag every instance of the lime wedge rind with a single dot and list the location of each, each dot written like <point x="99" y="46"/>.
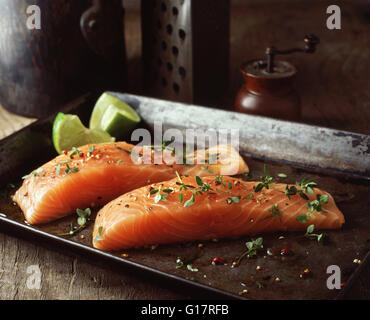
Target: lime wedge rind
<point x="69" y="132"/>
<point x="114" y="116"/>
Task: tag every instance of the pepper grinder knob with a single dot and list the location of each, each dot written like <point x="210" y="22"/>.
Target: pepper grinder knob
<point x="311" y="41"/>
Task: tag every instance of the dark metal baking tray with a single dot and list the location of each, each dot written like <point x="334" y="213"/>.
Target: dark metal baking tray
<point x="338" y="161"/>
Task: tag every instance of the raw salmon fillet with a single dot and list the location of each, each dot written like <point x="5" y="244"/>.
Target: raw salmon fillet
<point x="232" y="208"/>
<point x="95" y="174"/>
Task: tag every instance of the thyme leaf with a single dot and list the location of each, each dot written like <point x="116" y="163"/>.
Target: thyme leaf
<point x="315" y="236"/>
<point x="82" y="219"/>
<point x="252" y="249"/>
<point x="275" y="212"/>
<point x="265" y="181"/>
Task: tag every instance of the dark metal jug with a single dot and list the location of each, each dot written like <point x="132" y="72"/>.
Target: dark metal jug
<point x="78" y="48"/>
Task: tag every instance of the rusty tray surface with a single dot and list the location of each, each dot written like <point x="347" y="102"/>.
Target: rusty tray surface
<point x="338" y="161"/>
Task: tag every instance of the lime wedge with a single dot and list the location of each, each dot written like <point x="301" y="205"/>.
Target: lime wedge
<point x="114" y="116"/>
<point x="69" y="132"/>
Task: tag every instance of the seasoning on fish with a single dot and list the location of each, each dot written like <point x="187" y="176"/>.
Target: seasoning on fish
<point x="209" y="215"/>
<point x="96" y="174"/>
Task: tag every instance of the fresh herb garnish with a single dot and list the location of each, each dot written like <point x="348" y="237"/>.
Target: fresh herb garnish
<point x="233" y="200"/>
<point x="303" y="218"/>
<point x="316" y="205"/>
<point x="129" y="151"/>
<point x="206" y="167"/>
<point x="160" y="197"/>
<point x="313" y="206"/>
<point x="182" y="185"/>
<point x="70" y="170"/>
<point x="82" y="219"/>
<point x="75" y="152"/>
<point x="187" y="263"/>
<point x="290" y="191"/>
<point x="190" y="202"/>
<point x="248" y="196"/>
<point x="282" y="175"/>
<point x="275" y="212"/>
<point x="34" y="174"/>
<point x="265" y="181"/>
<point x="314" y="236"/>
<point x="252" y="249"/>
<point x="219" y="180"/>
<point x="306" y="187"/>
<point x="203" y="187"/>
<point x="99" y="237"/>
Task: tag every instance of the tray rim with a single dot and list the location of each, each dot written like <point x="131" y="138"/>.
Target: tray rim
<point x="10" y="224"/>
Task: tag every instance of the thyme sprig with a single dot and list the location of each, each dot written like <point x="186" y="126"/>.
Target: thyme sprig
<point x="313" y="206"/>
<point x="160" y="196"/>
<point x="130" y="151"/>
<point x="252" y="249"/>
<point x="204" y="187"/>
<point x="36" y="173"/>
<point x="265" y="181"/>
<point x="82" y="219"/>
<point x="275" y="212"/>
<point x="75" y="152"/>
<point x="99" y="236"/>
<point x="187" y="262"/>
<point x="315" y="236"/>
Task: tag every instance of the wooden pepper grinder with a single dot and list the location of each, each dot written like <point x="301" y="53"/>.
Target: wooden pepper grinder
<point x="268" y="89"/>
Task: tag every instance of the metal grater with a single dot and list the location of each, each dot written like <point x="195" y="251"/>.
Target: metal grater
<point x="186" y="49"/>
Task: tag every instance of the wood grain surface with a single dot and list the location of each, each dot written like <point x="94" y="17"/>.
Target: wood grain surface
<point x="335" y="93"/>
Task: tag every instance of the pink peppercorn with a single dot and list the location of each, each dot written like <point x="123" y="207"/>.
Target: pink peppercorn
<point x="218" y="261"/>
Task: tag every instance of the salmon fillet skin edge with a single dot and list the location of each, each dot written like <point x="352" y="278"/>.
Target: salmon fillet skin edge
<point x="226" y="207"/>
<point x="93" y="175"/>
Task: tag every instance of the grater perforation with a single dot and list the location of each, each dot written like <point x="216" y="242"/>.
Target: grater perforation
<point x="168" y="36"/>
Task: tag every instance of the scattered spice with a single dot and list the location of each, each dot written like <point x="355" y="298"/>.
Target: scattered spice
<point x="305" y="273"/>
<point x="357" y="261"/>
<point x="243" y="292"/>
<point x="286" y="252"/>
<point x="218" y="261"/>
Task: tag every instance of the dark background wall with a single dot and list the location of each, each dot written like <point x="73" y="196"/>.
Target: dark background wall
<point x="333" y="82"/>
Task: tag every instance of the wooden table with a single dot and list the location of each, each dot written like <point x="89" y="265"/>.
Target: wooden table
<point x="335" y="93"/>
